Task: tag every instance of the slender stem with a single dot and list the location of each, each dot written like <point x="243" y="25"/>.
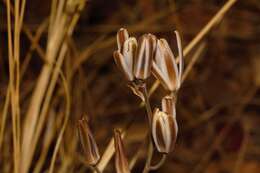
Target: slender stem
<point x="159" y="164"/>
<point x="94" y="168"/>
<point x="148" y="106"/>
<point x="149" y="156"/>
<point x="150" y="147"/>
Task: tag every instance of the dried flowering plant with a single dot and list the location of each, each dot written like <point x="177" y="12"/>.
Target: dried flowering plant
<point x="137" y="60"/>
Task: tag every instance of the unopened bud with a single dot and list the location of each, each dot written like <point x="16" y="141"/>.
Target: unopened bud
<point x="88" y="143"/>
<point x="121" y="162"/>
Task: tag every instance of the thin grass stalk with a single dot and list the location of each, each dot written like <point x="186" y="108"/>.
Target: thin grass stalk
<point x="33" y="113"/>
<point x="12" y="88"/>
<point x="4" y="115"/>
<point x="203" y="32"/>
<point x="193" y="60"/>
<point x="48" y="138"/>
<point x="67" y="112"/>
<point x="33" y="46"/>
<point x="53" y="82"/>
<point x="107" y="155"/>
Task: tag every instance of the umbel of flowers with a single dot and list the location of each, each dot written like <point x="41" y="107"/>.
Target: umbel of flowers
<point x="137" y="60"/>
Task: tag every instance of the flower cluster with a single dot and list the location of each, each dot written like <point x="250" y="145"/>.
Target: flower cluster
<point x="137" y="60"/>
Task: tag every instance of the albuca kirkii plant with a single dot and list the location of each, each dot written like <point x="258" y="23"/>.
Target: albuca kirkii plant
<point x="137" y="60"/>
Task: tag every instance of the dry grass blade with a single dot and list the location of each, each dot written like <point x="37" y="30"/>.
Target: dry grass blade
<point x="4" y="116"/>
<point x="64" y="26"/>
<point x="67" y="112"/>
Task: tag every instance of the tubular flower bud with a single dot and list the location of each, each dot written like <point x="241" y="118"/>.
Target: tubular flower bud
<point x="164" y="66"/>
<point x="88" y="143"/>
<point x="135" y="60"/>
<point x="121" y="162"/>
<point x="164" y="127"/>
<point x="144" y="56"/>
<point x="124" y="59"/>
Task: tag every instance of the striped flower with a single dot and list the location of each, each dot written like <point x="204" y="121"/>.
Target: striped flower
<point x="121" y="162"/>
<point x="88" y="143"/>
<point x="164" y="66"/>
<point x="164" y="126"/>
<point x="132" y="58"/>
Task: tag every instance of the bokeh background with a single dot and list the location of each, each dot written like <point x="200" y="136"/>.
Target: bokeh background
<point x="218" y="109"/>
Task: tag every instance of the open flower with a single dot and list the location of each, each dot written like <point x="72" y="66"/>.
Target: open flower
<point x="164" y="66"/>
<point x="121" y="162"/>
<point x="135" y="59"/>
<point x="164" y="126"/>
<point x="88" y="143"/>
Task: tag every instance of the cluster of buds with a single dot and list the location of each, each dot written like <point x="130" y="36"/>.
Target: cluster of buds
<point x="137" y="60"/>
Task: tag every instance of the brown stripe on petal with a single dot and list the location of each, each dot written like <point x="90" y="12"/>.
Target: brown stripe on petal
<point x="129" y="51"/>
<point x="124" y="67"/>
<point x="173" y="130"/>
<point x="159" y="134"/>
<point x="122" y="36"/>
<point x="171" y="65"/>
<point x="88" y="143"/>
<point x="160" y="75"/>
<point x="121" y="162"/>
<point x="152" y="41"/>
<point x="139" y="62"/>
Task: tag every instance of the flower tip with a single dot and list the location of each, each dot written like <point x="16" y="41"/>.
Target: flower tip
<point x="88" y="142"/>
<point x="121" y="162"/>
<point x="122" y="36"/>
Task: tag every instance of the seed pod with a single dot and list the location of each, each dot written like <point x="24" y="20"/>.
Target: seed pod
<point x="164" y="66"/>
<point x="122" y="36"/>
<point x="121" y="162"/>
<point x="144" y="56"/>
<point x="164" y="131"/>
<point x="88" y="143"/>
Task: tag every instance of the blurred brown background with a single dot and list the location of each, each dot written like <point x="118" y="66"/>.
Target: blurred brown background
<point x="218" y="108"/>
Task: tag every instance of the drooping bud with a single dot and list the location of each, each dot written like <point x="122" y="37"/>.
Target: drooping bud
<point x="144" y="56"/>
<point x="121" y="162"/>
<point x="121" y="37"/>
<point x="164" y="126"/>
<point x="124" y="57"/>
<point x="164" y="66"/>
<point x="88" y="143"/>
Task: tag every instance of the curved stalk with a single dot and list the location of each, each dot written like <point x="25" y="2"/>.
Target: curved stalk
<point x="159" y="164"/>
<point x="150" y="147"/>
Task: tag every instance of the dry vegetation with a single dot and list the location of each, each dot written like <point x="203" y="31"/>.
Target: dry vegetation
<point x="56" y="66"/>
